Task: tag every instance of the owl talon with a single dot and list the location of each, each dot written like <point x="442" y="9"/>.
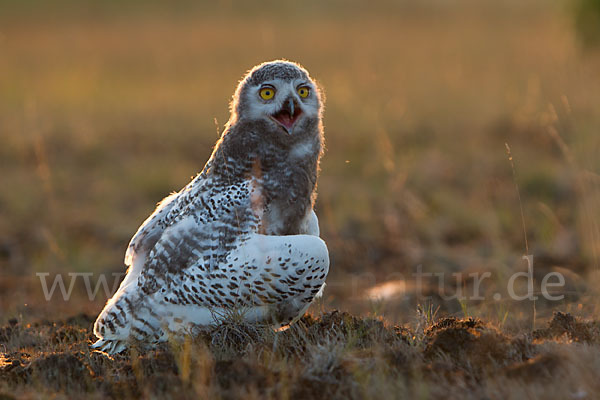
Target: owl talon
<point x="110" y="347"/>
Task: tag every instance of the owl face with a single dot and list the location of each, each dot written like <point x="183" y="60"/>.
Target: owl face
<point x="280" y="94"/>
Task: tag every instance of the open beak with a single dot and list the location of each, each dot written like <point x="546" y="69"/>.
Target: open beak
<point x="288" y="115"/>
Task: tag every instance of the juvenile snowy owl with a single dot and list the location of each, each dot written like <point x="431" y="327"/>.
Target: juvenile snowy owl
<point x="240" y="236"/>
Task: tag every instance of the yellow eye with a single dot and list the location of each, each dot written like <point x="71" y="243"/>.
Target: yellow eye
<point x="303" y="91"/>
<point x="267" y="93"/>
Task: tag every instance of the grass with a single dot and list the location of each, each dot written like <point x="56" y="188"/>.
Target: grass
<point x="106" y="107"/>
<point x="336" y="355"/>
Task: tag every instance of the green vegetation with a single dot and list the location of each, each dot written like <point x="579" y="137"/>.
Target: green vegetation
<point x="587" y="21"/>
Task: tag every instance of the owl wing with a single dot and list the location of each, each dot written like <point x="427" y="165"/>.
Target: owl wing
<point x="202" y="227"/>
<point x="166" y="212"/>
<point x="150" y="231"/>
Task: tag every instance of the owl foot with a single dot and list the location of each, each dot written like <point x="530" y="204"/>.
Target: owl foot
<point x="110" y="347"/>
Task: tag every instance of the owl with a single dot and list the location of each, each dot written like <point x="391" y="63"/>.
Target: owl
<point x="242" y="236"/>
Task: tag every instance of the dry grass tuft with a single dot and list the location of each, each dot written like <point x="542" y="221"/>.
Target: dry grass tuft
<point x="333" y="356"/>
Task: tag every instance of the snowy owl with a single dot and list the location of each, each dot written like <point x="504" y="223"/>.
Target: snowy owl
<point x="242" y="235"/>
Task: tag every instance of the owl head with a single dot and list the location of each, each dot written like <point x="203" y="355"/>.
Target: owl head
<point x="279" y="95"/>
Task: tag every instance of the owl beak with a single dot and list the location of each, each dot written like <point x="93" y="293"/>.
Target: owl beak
<point x="288" y="115"/>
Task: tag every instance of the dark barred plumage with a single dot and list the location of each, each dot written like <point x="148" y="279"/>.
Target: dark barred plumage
<point x="274" y="70"/>
<point x="263" y="152"/>
<point x="240" y="237"/>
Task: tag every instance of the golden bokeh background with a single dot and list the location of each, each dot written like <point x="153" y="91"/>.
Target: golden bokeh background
<point x="106" y="107"/>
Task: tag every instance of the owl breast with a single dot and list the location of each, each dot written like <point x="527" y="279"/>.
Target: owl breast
<point x="288" y="190"/>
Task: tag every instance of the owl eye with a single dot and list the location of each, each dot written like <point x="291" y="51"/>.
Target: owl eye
<point x="267" y="93"/>
<point x="303" y="91"/>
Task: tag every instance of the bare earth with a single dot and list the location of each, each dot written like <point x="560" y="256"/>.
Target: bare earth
<point x="333" y="356"/>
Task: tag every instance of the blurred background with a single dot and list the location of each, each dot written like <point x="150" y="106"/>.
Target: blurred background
<point x="108" y="106"/>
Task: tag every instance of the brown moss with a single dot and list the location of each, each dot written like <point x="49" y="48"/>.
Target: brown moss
<point x="69" y="334"/>
<point x="361" y="331"/>
<point x="564" y="324"/>
<point x="539" y="368"/>
<point x="61" y="372"/>
<point x="235" y="373"/>
<point x="473" y="344"/>
<point x="338" y="355"/>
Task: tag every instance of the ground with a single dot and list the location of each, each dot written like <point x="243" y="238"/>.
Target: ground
<point x="331" y="356"/>
<point x="106" y="107"/>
